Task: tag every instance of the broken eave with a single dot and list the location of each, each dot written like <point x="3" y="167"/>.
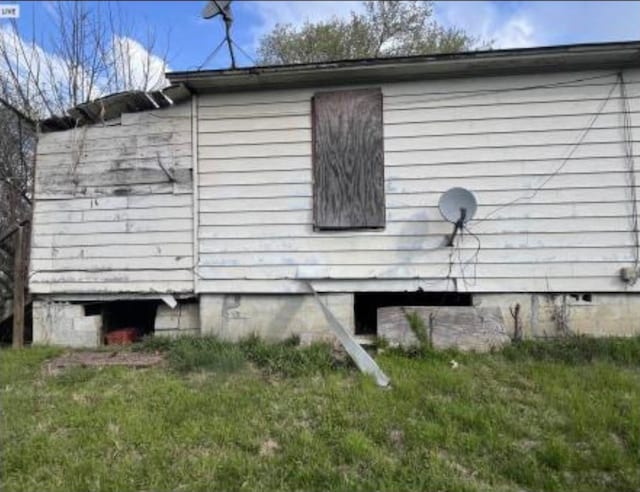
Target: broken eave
<point x="112" y="106"/>
<point x="474" y="63"/>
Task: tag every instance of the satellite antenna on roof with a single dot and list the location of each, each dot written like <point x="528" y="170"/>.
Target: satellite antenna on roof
<point x="457" y="206"/>
<point x="213" y="8"/>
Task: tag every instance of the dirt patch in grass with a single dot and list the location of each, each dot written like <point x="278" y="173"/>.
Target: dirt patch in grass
<point x="102" y="359"/>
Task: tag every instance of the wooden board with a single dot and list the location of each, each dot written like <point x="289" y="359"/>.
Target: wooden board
<point x="348" y="159"/>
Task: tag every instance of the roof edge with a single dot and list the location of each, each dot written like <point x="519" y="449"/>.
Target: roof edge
<point x="490" y="62"/>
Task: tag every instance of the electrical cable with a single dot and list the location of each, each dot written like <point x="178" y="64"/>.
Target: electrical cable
<point x="467" y="94"/>
<point x="628" y="148"/>
<point x="564" y="162"/>
<point x="475" y="256"/>
<point x="251" y="59"/>
<point x="212" y="54"/>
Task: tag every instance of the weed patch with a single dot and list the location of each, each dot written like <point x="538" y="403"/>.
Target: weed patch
<point x="192" y="353"/>
<point x="284" y="358"/>
<point x="577" y="350"/>
<point x="287" y="359"/>
<point x="418" y="327"/>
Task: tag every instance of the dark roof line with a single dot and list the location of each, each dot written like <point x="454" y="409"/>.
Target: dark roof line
<point x="412" y="67"/>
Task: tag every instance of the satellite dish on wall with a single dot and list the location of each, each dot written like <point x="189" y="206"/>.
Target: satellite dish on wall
<point x="458" y="206"/>
<point x="457" y="199"/>
<point x="217" y="7"/>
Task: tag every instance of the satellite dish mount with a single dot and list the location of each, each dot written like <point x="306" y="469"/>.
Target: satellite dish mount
<point x="457" y="227"/>
<point x="457" y="206"/>
<point x="223" y="8"/>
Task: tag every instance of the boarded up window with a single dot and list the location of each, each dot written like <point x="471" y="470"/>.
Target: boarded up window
<point x="348" y="160"/>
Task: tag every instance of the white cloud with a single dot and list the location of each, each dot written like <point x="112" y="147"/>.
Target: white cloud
<point x="44" y="77"/>
<point x="137" y="67"/>
<point x="528" y="24"/>
<point x="31" y="72"/>
<point x="297" y="13"/>
<point x="565" y="22"/>
<point x="486" y="22"/>
<point x="517" y="32"/>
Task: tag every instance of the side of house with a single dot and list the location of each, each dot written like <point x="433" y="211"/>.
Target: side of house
<point x="545" y="154"/>
<point x="251" y="170"/>
<point x="113" y="217"/>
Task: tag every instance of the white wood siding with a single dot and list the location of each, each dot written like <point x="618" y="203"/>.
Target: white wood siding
<point x="502" y="137"/>
<point x="108" y="218"/>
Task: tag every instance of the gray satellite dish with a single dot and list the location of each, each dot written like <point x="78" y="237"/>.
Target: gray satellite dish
<point x="453" y="201"/>
<point x="214" y="8"/>
<point x="217" y="7"/>
<point x="457" y="206"/>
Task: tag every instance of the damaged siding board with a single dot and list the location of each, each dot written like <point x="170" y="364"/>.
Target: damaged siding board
<point x="113" y="239"/>
<point x="107" y="252"/>
<point x="114" y="207"/>
<point x="118" y="203"/>
<point x="65" y="182"/>
<point x="487" y="134"/>
<point x="113" y="215"/>
<point x="153" y="287"/>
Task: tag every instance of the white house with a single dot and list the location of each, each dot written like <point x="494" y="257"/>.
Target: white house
<point x="254" y="182"/>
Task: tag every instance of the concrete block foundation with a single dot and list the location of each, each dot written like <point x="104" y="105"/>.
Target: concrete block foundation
<point x="276" y="317"/>
<point x="184" y="319"/>
<point x="553" y="315"/>
<point x="273" y="317"/>
<point x="65" y="324"/>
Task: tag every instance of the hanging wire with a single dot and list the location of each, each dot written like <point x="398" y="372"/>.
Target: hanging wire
<point x="212" y="54"/>
<point x="564" y="162"/>
<point x="466" y="94"/>
<point x="627" y="125"/>
<point x="458" y="249"/>
<point x="474" y="258"/>
<point x="251" y="59"/>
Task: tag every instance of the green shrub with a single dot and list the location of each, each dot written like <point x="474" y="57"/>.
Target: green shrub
<point x="284" y="358"/>
<point x="287" y="359"/>
<point x="151" y="343"/>
<point x="189" y="353"/>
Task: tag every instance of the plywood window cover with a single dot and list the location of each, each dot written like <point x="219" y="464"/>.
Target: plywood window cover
<point x="330" y="216"/>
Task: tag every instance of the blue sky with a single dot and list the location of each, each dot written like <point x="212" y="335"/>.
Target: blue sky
<point x="191" y="39"/>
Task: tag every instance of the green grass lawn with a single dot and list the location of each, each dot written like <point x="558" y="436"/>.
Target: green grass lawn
<point x="540" y="416"/>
